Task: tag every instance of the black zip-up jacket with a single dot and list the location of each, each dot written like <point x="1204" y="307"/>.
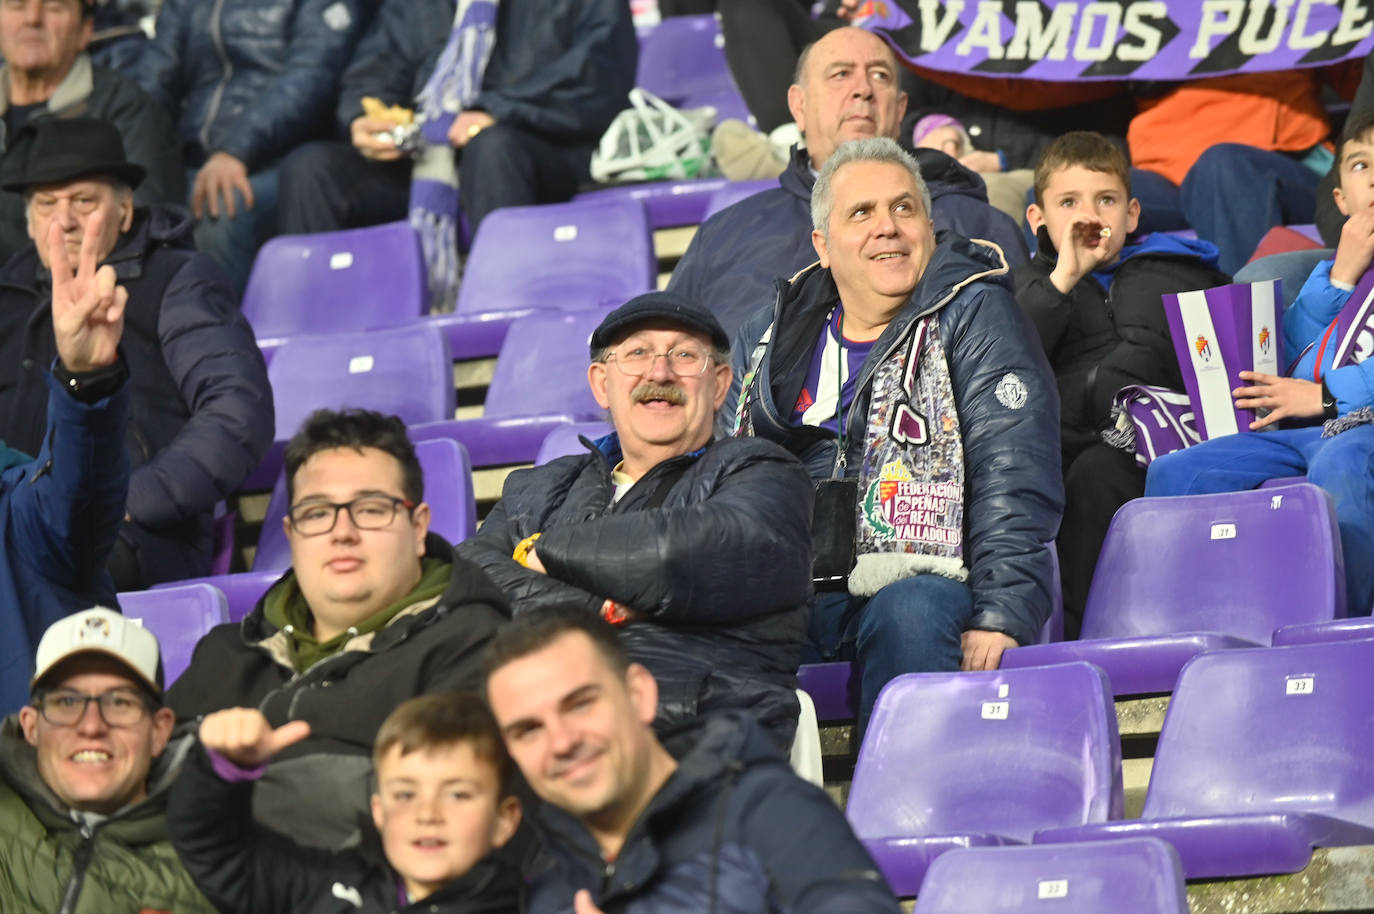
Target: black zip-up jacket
<point x="718" y="574"/>
<point x="316" y="791"/>
<point x="248" y="869"/>
<point x="1099" y="342"/>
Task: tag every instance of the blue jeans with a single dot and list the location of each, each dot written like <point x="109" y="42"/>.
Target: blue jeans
<point x="1343" y="466"/>
<point x="1235" y="193"/>
<point x="233" y="243"/>
<point x="910" y="626"/>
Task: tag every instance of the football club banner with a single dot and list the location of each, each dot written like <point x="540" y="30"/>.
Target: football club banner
<point x="1217" y="334"/>
<point x="1063" y="40"/>
<point x="1161" y="420"/>
<point x="1355" y="325"/>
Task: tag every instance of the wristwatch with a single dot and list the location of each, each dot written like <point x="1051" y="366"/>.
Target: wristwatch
<point x="1328" y="402"/>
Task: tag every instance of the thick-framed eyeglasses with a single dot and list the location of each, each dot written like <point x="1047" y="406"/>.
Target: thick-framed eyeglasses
<point x="683" y="361"/>
<point x="118" y="707"/>
<point x="370" y="512"/>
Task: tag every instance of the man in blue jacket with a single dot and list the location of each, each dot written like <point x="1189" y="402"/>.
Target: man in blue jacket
<point x="60" y="512"/>
<point x="902" y="372"/>
<point x="846" y="89"/>
<point x="201" y="413"/>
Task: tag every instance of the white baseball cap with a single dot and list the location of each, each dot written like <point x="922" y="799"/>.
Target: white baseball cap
<point x="101" y="631"/>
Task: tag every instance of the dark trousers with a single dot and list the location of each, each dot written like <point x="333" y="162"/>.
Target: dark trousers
<point x="1099" y="480"/>
<point x="509" y="166"/>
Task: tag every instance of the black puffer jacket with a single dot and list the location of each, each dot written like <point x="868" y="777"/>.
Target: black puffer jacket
<point x="718" y="575"/>
<point x="253" y="78"/>
<point x="316" y="790"/>
<point x="732" y="831"/>
<point x="201" y="414"/>
<point x="737" y="255"/>
<point x="1099" y="342"/>
<point x="1014" y="491"/>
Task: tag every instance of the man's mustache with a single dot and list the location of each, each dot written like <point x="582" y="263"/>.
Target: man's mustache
<point x="651" y="391"/>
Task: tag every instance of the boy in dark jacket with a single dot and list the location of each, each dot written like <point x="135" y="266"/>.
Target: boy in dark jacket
<point x="442" y="807"/>
<point x="1095" y="300"/>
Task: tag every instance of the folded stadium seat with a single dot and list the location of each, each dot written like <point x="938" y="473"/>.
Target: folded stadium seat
<point x="1188" y="573"/>
<point x="1136" y="876"/>
<point x="1264" y="755"/>
<point x="982" y="759"/>
<point x="565" y="440"/>
<point x="834" y="687"/>
<point x="734" y="192"/>
<point x="180" y="616"/>
<point x="405" y="370"/>
<point x="668" y="203"/>
<point x="556" y="257"/>
<point x="540" y="383"/>
<point x="242" y="590"/>
<point x="448" y="492"/>
<point x="1320" y="632"/>
<point x="333" y="282"/>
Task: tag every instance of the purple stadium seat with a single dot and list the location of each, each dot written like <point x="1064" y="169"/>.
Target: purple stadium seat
<point x="565" y="440"/>
<point x="1319" y="632"/>
<point x="1281" y="481"/>
<point x="448" y="492"/>
<point x="982" y="759"/>
<point x="540" y="383"/>
<point x="179" y="616"/>
<point x="1184" y="574"/>
<point x="242" y="591"/>
<point x="557" y="257"/>
<point x="683" y="57"/>
<point x="733" y="193"/>
<point x="1264" y="755"/>
<point x="668" y="203"/>
<point x="1139" y="876"/>
<point x="359" y="279"/>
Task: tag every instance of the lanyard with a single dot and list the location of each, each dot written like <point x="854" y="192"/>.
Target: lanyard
<point x="839" y="397"/>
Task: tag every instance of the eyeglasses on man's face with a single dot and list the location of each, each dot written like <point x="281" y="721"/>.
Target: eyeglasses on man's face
<point x="685" y="361"/>
<point x="370" y="512"/>
<point x="118" y="707"/>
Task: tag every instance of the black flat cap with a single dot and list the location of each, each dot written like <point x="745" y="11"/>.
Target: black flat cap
<point x="659" y="306"/>
<point x="63" y="149"/>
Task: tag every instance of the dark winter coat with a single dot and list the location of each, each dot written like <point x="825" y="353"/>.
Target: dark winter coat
<point x="1100" y="341"/>
<point x="201" y="415"/>
<point x="718" y="575"/>
<point x="737" y="255"/>
<point x="732" y="831"/>
<point x="316" y="790"/>
<point x="1014" y="490"/>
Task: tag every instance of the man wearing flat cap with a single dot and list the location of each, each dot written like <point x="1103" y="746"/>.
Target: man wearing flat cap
<point x="201" y="412"/>
<point x="85" y="769"/>
<point x="699" y="550"/>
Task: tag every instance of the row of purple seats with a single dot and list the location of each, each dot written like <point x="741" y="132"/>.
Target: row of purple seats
<point x="179" y="615"/>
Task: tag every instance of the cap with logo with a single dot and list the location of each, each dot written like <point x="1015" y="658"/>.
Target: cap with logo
<point x="101" y="631"/>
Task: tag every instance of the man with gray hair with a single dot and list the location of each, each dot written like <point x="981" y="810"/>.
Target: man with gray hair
<point x="902" y="372"/>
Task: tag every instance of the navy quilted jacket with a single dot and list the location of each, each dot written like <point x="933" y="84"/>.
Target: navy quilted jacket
<point x="1015" y="493"/>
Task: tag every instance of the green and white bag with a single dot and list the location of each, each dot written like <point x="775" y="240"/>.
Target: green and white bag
<point x="653" y="141"/>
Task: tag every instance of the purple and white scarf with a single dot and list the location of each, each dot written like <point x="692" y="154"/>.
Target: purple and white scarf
<point x="452" y="87"/>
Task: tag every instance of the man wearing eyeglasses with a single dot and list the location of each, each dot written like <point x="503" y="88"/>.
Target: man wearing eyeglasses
<point x="85" y="770"/>
<point x="698" y="549"/>
<point x="375" y="610"/>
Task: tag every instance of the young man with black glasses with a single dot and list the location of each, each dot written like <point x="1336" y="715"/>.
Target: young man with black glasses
<point x="85" y="769"/>
<point x="375" y="609"/>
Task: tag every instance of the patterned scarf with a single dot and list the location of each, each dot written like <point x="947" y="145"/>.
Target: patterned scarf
<point x="454" y="84"/>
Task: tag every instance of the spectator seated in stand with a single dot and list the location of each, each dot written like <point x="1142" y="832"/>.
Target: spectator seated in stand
<point x="201" y="410"/>
<point x="247" y="81"/>
<point x="845" y="89"/>
<point x="1093" y="292"/>
<point x="697" y="548"/>
<point x="901" y="371"/>
<point x="1327" y="399"/>
<point x="442" y="806"/>
<point x="375" y="610"/>
<point x="47" y="73"/>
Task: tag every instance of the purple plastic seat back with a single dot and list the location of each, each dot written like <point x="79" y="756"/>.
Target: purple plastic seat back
<point x="564" y="441"/>
<point x="1352" y="629"/>
<point x="1269" y="730"/>
<point x="735" y="192"/>
<point x="242" y="590"/>
<point x="405" y="371"/>
<point x="542" y="368"/>
<point x="668" y="203"/>
<point x="1239" y="563"/>
<point x="1130" y="876"/>
<point x="560" y="256"/>
<point x="1003" y="752"/>
<point x="179" y="616"/>
<point x="684" y="57"/>
<point x="359" y="279"/>
<point x="448" y="492"/>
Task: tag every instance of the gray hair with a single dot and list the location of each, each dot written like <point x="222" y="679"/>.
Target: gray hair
<point x="873" y="149"/>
